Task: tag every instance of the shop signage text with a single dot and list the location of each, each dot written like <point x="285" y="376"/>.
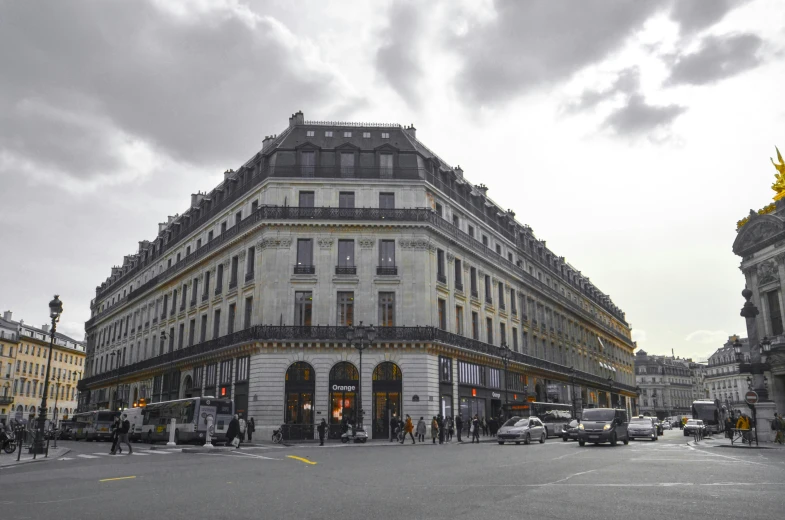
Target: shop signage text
<point x="496" y="395"/>
<point x="344" y="388"/>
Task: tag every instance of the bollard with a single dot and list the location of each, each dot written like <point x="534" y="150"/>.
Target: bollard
<point x="208" y="442"/>
<point x="172" y="428"/>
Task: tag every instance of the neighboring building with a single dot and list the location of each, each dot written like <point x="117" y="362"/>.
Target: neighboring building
<point x="668" y="384"/>
<point x="25" y="372"/>
<point x="723" y="380"/>
<point x="335" y="224"/>
<point x="9" y="343"/>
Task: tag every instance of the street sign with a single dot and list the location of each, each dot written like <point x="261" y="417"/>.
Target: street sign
<point x="751" y="397"/>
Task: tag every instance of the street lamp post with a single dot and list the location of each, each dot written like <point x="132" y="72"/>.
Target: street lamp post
<point x="55" y="310"/>
<point x="572" y="390"/>
<point x="360" y="337"/>
<point x="654" y="400"/>
<point x="117" y="380"/>
<point x="638" y="392"/>
<point x="54" y="415"/>
<point x="611" y="382"/>
<point x="504" y="353"/>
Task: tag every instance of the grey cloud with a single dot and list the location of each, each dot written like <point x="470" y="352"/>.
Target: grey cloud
<point x="626" y="84"/>
<point x="693" y="16"/>
<point x="199" y="88"/>
<point x="540" y="42"/>
<point x="718" y="57"/>
<point x="397" y="58"/>
<point x="637" y="117"/>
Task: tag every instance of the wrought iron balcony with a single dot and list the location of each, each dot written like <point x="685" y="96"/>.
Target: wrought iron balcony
<point x="205" y="296"/>
<point x="387" y="270"/>
<point x="219" y="289"/>
<point x="249" y="276"/>
<point x="5" y="400"/>
<point x="441" y="278"/>
<point x="304" y="269"/>
<point x="475" y="294"/>
<point x="232" y="284"/>
<point x="345" y="269"/>
<point x="458" y="286"/>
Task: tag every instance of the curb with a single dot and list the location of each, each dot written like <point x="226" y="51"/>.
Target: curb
<point x="214" y="449"/>
<point x="31" y="461"/>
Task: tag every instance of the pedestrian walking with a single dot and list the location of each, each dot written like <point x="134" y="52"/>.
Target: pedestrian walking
<point x="115" y="429"/>
<point x="778" y="426"/>
<point x="434" y="429"/>
<point x="408" y="427"/>
<point x="440" y="423"/>
<point x="484" y="427"/>
<point x="251" y="428"/>
<point x="476" y="429"/>
<point x="459" y="426"/>
<point x="125" y="427"/>
<point x="322" y="429"/>
<point x="393" y="428"/>
<point x="243" y="427"/>
<point x="233" y="432"/>
<point x="450" y="428"/>
<point x="421" y="429"/>
<point x="743" y="424"/>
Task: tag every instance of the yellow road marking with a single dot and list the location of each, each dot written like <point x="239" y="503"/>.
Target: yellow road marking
<point x="116" y="478"/>
<point x="301" y="459"/>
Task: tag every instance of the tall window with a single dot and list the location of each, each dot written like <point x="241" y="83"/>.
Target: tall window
<point x="387" y="254"/>
<point x="238" y="217"/>
<point x="513" y="303"/>
<point x="232" y="316"/>
<point x="488" y="290"/>
<point x="191" y="332"/>
<point x="515" y="339"/>
<point x="346" y="253"/>
<point x="216" y="323"/>
<point x="346" y="199"/>
<point x="304" y="252"/>
<point x="489" y="329"/>
<point x="174" y="302"/>
<point x="194" y="291"/>
<point x="303" y="303"/>
<point x="181" y="335"/>
<point x="248" y="311"/>
<point x="202" y="330"/>
<point x="386" y="165"/>
<point x="458" y="275"/>
<point x="233" y="272"/>
<point x="345" y="308"/>
<point x="250" y="263"/>
<point x="775" y="314"/>
<point x="473" y="280"/>
<point x="307" y="199"/>
<point x="459" y="319"/>
<point x="386" y="309"/>
<point x="206" y="291"/>
<point x="440" y="267"/>
<point x="502" y="334"/>
<point x="308" y="163"/>
<point x="387" y="200"/>
<point x="347" y="164"/>
<point x="219" y="279"/>
<point x="445" y="369"/>
<point x="442" y="305"/>
<point x="166" y="301"/>
<point x="501" y="295"/>
<point x="475" y="325"/>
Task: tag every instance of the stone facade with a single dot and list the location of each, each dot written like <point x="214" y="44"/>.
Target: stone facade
<point x="669" y="385"/>
<point x="724" y="380"/>
<point x="334" y="224"/>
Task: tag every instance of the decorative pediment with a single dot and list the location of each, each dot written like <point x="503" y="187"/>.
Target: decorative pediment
<point x="768" y="272"/>
<point x="759" y="232"/>
<point x="307" y="145"/>
<point x="347" y="147"/>
<point x="386" y="147"/>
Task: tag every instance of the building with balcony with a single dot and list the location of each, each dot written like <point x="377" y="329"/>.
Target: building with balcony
<point x="723" y="380"/>
<point x="24" y="353"/>
<point x="668" y="384"/>
<point x="250" y="291"/>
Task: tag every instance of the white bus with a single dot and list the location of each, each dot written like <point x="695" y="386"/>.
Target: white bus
<point x="134" y="417"/>
<point x="91" y="426"/>
<point x="190" y="419"/>
<point x="555" y="416"/>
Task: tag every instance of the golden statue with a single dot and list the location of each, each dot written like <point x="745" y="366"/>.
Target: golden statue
<point x="779" y="184"/>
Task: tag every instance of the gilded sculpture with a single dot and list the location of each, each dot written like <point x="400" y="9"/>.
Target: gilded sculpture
<point x="779" y="183"/>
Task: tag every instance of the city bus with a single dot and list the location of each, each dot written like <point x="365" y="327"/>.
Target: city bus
<point x="711" y="413"/>
<point x="191" y="419"/>
<point x="554" y="416"/>
<point x="91" y="426"/>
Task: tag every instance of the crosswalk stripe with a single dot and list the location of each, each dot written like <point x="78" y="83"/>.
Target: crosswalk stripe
<point x="66" y="458"/>
<point x="88" y="456"/>
<point x="140" y="454"/>
<point x="161" y="452"/>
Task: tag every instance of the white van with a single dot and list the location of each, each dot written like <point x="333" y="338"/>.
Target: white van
<point x="134" y="416"/>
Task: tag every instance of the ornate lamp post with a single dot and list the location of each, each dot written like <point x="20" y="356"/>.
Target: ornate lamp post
<point x="572" y="384"/>
<point x="55" y="310"/>
<point x="54" y="415"/>
<point x="611" y="383"/>
<point x="654" y="401"/>
<point x="638" y="391"/>
<point x="361" y="337"/>
<point x="504" y="353"/>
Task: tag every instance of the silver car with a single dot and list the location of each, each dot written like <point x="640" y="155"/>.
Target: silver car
<point x="521" y="429"/>
<point x="642" y="427"/>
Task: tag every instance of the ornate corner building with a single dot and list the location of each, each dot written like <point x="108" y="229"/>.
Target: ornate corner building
<point x="332" y="224"/>
<point x="668" y="384"/>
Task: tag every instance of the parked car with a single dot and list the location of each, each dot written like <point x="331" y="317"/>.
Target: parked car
<point x="572" y="432"/>
<point x="603" y="425"/>
<point x="521" y="429"/>
<point x="666" y="425"/>
<point x="692" y="425"/>
<point x="642" y="428"/>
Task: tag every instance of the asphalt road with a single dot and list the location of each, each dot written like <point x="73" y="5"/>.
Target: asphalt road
<point x="552" y="480"/>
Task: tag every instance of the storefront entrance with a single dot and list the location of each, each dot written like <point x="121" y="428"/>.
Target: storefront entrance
<point x="343" y="397"/>
<point x="471" y="406"/>
<point x="300" y="388"/>
<point x="387" y="388"/>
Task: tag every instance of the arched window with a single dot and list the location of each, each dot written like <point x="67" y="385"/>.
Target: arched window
<point x="344" y="371"/>
<point x="300" y="372"/>
<point x="387" y="371"/>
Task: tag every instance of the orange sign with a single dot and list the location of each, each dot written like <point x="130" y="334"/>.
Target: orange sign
<point x="474" y="392"/>
<point x="531" y="399"/>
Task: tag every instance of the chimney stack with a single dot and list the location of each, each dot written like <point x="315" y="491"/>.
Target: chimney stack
<point x="45" y="327"/>
<point x="297" y="119"/>
<point x="411" y="130"/>
<point x="7" y="315"/>
<point x="196" y="198"/>
<point x="458" y="171"/>
<point x="482" y="188"/>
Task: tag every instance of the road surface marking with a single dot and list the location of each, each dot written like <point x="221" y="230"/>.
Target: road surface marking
<point x="573" y="475"/>
<point x="66" y="458"/>
<point x="301" y="459"/>
<point x="116" y="478"/>
<point x="88" y="456"/>
<point x="140" y="454"/>
<point x="241" y="454"/>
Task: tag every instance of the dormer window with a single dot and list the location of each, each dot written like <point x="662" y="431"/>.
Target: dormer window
<point x="309" y="133"/>
<point x="366" y="135"/>
<point x="385" y="135"/>
<point x="328" y="133"/>
<point x="347" y="134"/>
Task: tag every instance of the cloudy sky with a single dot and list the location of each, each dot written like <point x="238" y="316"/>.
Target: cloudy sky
<point x="631" y="135"/>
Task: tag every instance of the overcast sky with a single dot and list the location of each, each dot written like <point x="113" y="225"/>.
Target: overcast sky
<point x="631" y="135"/>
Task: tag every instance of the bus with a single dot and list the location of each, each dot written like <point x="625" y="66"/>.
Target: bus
<point x="554" y="416"/>
<point x="190" y="419"/>
<point x="91" y="426"/>
<point x="711" y="413"/>
<point x="134" y="417"/>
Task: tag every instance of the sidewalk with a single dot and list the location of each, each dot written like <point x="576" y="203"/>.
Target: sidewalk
<point x="719" y="441"/>
<point x="9" y="460"/>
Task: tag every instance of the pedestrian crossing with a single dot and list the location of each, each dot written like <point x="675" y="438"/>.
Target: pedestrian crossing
<point x="139" y="453"/>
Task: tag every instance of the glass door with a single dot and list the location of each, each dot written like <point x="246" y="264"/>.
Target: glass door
<point x="385" y="405"/>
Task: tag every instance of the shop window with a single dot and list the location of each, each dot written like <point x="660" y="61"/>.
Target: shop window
<point x="445" y="369"/>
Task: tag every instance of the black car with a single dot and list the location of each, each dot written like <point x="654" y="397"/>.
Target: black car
<point x="603" y="425"/>
<point x="571" y="432"/>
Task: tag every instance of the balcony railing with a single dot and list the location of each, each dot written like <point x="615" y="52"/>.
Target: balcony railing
<point x="249" y="276"/>
<point x="344" y="269"/>
<point x="304" y="269"/>
<point x="489" y="300"/>
<point x="475" y="294"/>
<point x="458" y="286"/>
<point x="441" y="278"/>
<point x="338" y="335"/>
<point x="387" y="270"/>
<point x="205" y="296"/>
<point x="219" y="289"/>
